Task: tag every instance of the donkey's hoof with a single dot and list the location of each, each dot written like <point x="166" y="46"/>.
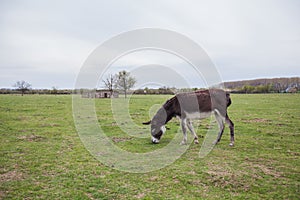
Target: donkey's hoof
<point x="231" y="144"/>
<point x="183" y="143"/>
<point x="196" y="142"/>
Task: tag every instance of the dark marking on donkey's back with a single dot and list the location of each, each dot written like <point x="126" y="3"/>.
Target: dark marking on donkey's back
<point x="193" y="105"/>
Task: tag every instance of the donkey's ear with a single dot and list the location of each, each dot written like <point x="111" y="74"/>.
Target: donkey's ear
<point x="147" y="123"/>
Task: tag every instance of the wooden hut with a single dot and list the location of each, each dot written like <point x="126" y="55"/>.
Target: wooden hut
<point x="101" y="94"/>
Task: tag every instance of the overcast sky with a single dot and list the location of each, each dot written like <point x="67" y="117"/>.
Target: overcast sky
<point x="46" y="42"/>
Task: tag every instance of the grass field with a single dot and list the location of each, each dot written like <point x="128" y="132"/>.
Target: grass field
<point x="42" y="157"/>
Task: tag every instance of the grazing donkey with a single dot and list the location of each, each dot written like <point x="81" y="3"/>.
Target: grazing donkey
<point x="193" y="105"/>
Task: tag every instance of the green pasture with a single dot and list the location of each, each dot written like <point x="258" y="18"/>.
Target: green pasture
<point x="42" y="156"/>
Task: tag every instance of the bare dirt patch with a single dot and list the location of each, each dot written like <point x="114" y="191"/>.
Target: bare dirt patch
<point x="50" y="125"/>
<point x="31" y="138"/>
<point x="120" y="139"/>
<point x="268" y="170"/>
<point x="2" y="194"/>
<point x="218" y="170"/>
<point x="140" y="195"/>
<point x="262" y="167"/>
<point x="257" y="120"/>
<point x="223" y="176"/>
<point x="11" y="176"/>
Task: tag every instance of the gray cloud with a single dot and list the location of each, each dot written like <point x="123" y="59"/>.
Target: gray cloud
<point x="51" y="39"/>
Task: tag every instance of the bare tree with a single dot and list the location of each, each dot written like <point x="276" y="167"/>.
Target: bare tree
<point x="125" y="81"/>
<point x="110" y="83"/>
<point x="22" y="86"/>
<point x="54" y="90"/>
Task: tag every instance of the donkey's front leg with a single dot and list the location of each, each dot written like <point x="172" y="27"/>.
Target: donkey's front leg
<point x="191" y="128"/>
<point x="183" y="127"/>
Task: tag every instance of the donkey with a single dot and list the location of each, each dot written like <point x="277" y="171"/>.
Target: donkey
<point x="193" y="105"/>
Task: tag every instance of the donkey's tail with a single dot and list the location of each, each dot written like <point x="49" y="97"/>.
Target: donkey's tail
<point x="228" y="99"/>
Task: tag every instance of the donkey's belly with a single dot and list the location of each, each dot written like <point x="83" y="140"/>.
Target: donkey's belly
<point x="197" y="115"/>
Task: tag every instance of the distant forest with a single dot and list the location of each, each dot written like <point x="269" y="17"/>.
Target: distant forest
<point x="274" y="85"/>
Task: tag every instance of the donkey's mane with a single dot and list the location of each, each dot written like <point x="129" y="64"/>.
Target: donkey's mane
<point x="170" y="102"/>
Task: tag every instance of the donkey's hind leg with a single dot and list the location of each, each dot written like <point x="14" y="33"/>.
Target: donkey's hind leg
<point x="220" y="120"/>
<point x="231" y="127"/>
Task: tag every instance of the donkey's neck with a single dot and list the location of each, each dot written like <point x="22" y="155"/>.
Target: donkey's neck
<point x="170" y="115"/>
<point x="172" y="108"/>
<point x="161" y="117"/>
<point x="169" y="110"/>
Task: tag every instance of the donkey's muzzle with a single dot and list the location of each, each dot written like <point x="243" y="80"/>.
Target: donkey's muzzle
<point x="155" y="141"/>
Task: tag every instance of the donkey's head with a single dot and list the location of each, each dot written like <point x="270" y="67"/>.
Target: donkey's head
<point x="157" y="125"/>
<point x="156" y="131"/>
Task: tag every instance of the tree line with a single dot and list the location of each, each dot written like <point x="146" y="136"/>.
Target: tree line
<point x="36" y="91"/>
<point x="123" y="82"/>
<point x="274" y="85"/>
